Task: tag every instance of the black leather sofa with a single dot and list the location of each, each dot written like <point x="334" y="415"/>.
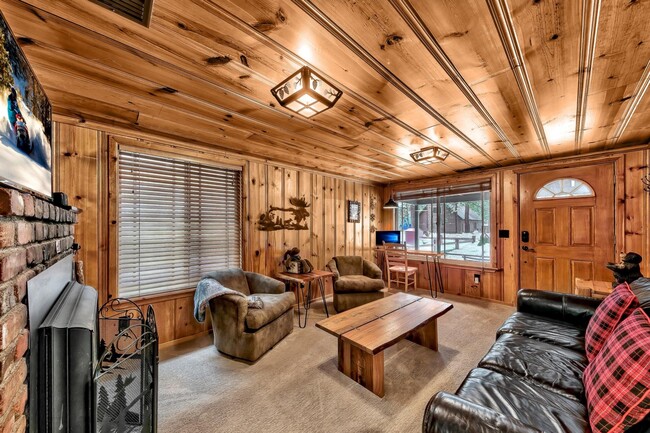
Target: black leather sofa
<point x="531" y="379"/>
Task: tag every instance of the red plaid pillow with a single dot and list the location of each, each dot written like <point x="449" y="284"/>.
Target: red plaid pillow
<point x="614" y="308"/>
<point x="617" y="382"/>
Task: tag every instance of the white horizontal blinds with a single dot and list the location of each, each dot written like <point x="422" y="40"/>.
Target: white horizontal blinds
<point x="178" y="220"/>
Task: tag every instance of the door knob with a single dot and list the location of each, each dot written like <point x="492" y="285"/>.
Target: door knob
<point x="526" y="248"/>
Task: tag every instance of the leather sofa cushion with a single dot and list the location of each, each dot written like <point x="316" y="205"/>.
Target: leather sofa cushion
<point x="641" y="288"/>
<point x="349" y="265"/>
<point x="617" y="381"/>
<point x="617" y="306"/>
<point x="274" y="307"/>
<point x="531" y="404"/>
<point x="548" y="330"/>
<point x="357" y="284"/>
<point x="555" y="368"/>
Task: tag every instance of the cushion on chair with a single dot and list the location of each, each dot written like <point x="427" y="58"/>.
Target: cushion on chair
<point x="540" y="328"/>
<point x="349" y="265"/>
<point x="345" y="301"/>
<point x="617" y="306"/>
<point x="274" y="306"/>
<point x="233" y="278"/>
<point x="555" y="368"/>
<point x="617" y="381"/>
<point x="525" y="401"/>
<point x="407" y="269"/>
<point x="357" y="284"/>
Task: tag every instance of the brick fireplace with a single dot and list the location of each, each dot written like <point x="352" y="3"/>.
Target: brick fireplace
<point x="34" y="234"/>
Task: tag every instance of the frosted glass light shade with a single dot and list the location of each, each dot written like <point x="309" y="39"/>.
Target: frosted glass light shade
<point x="308" y="100"/>
<point x="429" y="155"/>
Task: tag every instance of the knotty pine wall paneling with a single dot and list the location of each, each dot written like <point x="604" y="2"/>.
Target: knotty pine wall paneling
<point x="340" y="226"/>
<point x="635" y="202"/>
<point x="79" y="161"/>
<point x="275" y="194"/>
<point x="291" y="189"/>
<point x="509" y="251"/>
<point x="329" y="232"/>
<point x="330" y="211"/>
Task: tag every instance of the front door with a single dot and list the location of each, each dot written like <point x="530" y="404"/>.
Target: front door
<point x="566" y="225"/>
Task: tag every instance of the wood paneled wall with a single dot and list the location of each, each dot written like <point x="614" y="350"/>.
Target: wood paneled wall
<point x="501" y="283"/>
<point x="82" y="162"/>
<point x="329" y="232"/>
<point x="81" y="170"/>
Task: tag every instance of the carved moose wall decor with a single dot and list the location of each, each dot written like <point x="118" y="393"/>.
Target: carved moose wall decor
<point x="269" y="221"/>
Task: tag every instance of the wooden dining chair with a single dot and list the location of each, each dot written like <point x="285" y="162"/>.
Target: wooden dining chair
<point x="397" y="267"/>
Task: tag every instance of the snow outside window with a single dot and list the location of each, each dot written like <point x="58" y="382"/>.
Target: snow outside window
<point x="449" y="221"/>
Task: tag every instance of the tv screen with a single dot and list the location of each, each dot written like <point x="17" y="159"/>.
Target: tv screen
<point x="25" y="121"/>
<point x="388" y="236"/>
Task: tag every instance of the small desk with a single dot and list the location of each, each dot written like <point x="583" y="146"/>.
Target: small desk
<point x="592" y="288"/>
<point x="429" y="257"/>
<point x="300" y="280"/>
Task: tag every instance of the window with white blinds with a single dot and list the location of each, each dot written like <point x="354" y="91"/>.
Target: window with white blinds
<point x="177" y="221"/>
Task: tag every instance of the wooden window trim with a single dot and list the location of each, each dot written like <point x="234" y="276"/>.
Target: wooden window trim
<point x="112" y="181"/>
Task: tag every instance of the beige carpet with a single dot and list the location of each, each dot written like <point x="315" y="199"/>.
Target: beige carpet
<point x="296" y="387"/>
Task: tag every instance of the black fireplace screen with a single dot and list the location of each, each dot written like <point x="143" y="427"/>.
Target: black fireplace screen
<point x="126" y="376"/>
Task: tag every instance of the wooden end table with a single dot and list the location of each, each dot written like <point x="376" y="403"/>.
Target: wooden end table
<point x="364" y="332"/>
<point x="302" y="280"/>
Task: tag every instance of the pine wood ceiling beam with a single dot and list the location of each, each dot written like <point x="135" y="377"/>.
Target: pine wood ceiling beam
<point x="414" y="21"/>
<point x="188" y="74"/>
<point x="633" y="103"/>
<point x="273" y="152"/>
<point x="328" y="24"/>
<point x="588" y="35"/>
<point x="341" y="157"/>
<point x="233" y="20"/>
<point x="503" y="22"/>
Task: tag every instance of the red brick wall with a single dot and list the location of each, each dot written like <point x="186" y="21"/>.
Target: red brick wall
<point x="34" y="234"/>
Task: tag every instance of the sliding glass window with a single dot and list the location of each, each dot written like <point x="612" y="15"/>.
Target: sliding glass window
<point x="454" y="221"/>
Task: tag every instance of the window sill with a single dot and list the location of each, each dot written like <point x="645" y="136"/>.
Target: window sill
<point x="450" y="263"/>
<point x="163" y="296"/>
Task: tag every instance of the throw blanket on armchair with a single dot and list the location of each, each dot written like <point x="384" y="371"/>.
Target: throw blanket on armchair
<point x="209" y="288"/>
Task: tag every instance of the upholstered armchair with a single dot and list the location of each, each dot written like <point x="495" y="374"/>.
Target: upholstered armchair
<point x="244" y="332"/>
<point x="357" y="281"/>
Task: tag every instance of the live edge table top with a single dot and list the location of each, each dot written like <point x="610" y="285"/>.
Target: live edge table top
<point x="377" y="325"/>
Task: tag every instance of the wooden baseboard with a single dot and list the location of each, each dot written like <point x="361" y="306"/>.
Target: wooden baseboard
<point x="184" y="339"/>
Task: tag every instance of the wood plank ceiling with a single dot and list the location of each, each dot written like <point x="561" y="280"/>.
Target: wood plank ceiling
<point x="495" y="82"/>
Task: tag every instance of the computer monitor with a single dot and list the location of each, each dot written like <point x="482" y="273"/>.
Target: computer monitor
<point x="388" y="236"/>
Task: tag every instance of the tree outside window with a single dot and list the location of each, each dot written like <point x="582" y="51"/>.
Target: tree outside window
<point x="455" y="224"/>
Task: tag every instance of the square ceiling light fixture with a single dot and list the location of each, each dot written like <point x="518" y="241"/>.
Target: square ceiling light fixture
<point x="306" y="93"/>
<point x="429" y="155"/>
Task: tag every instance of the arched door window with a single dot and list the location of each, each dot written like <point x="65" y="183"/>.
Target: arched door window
<point x="564" y="188"/>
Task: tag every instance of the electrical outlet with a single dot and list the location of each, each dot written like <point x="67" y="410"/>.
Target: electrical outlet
<point x="477" y="278"/>
<point x="57" y="245"/>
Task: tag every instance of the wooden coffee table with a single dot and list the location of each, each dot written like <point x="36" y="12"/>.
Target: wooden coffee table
<point x="364" y="332"/>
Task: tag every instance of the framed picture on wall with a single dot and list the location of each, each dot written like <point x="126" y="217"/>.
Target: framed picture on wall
<point x="354" y="211"/>
<point x="25" y="121"/>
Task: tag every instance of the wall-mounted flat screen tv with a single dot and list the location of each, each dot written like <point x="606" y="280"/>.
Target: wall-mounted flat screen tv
<point x="25" y="121"/>
<point x="388" y="236"/>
